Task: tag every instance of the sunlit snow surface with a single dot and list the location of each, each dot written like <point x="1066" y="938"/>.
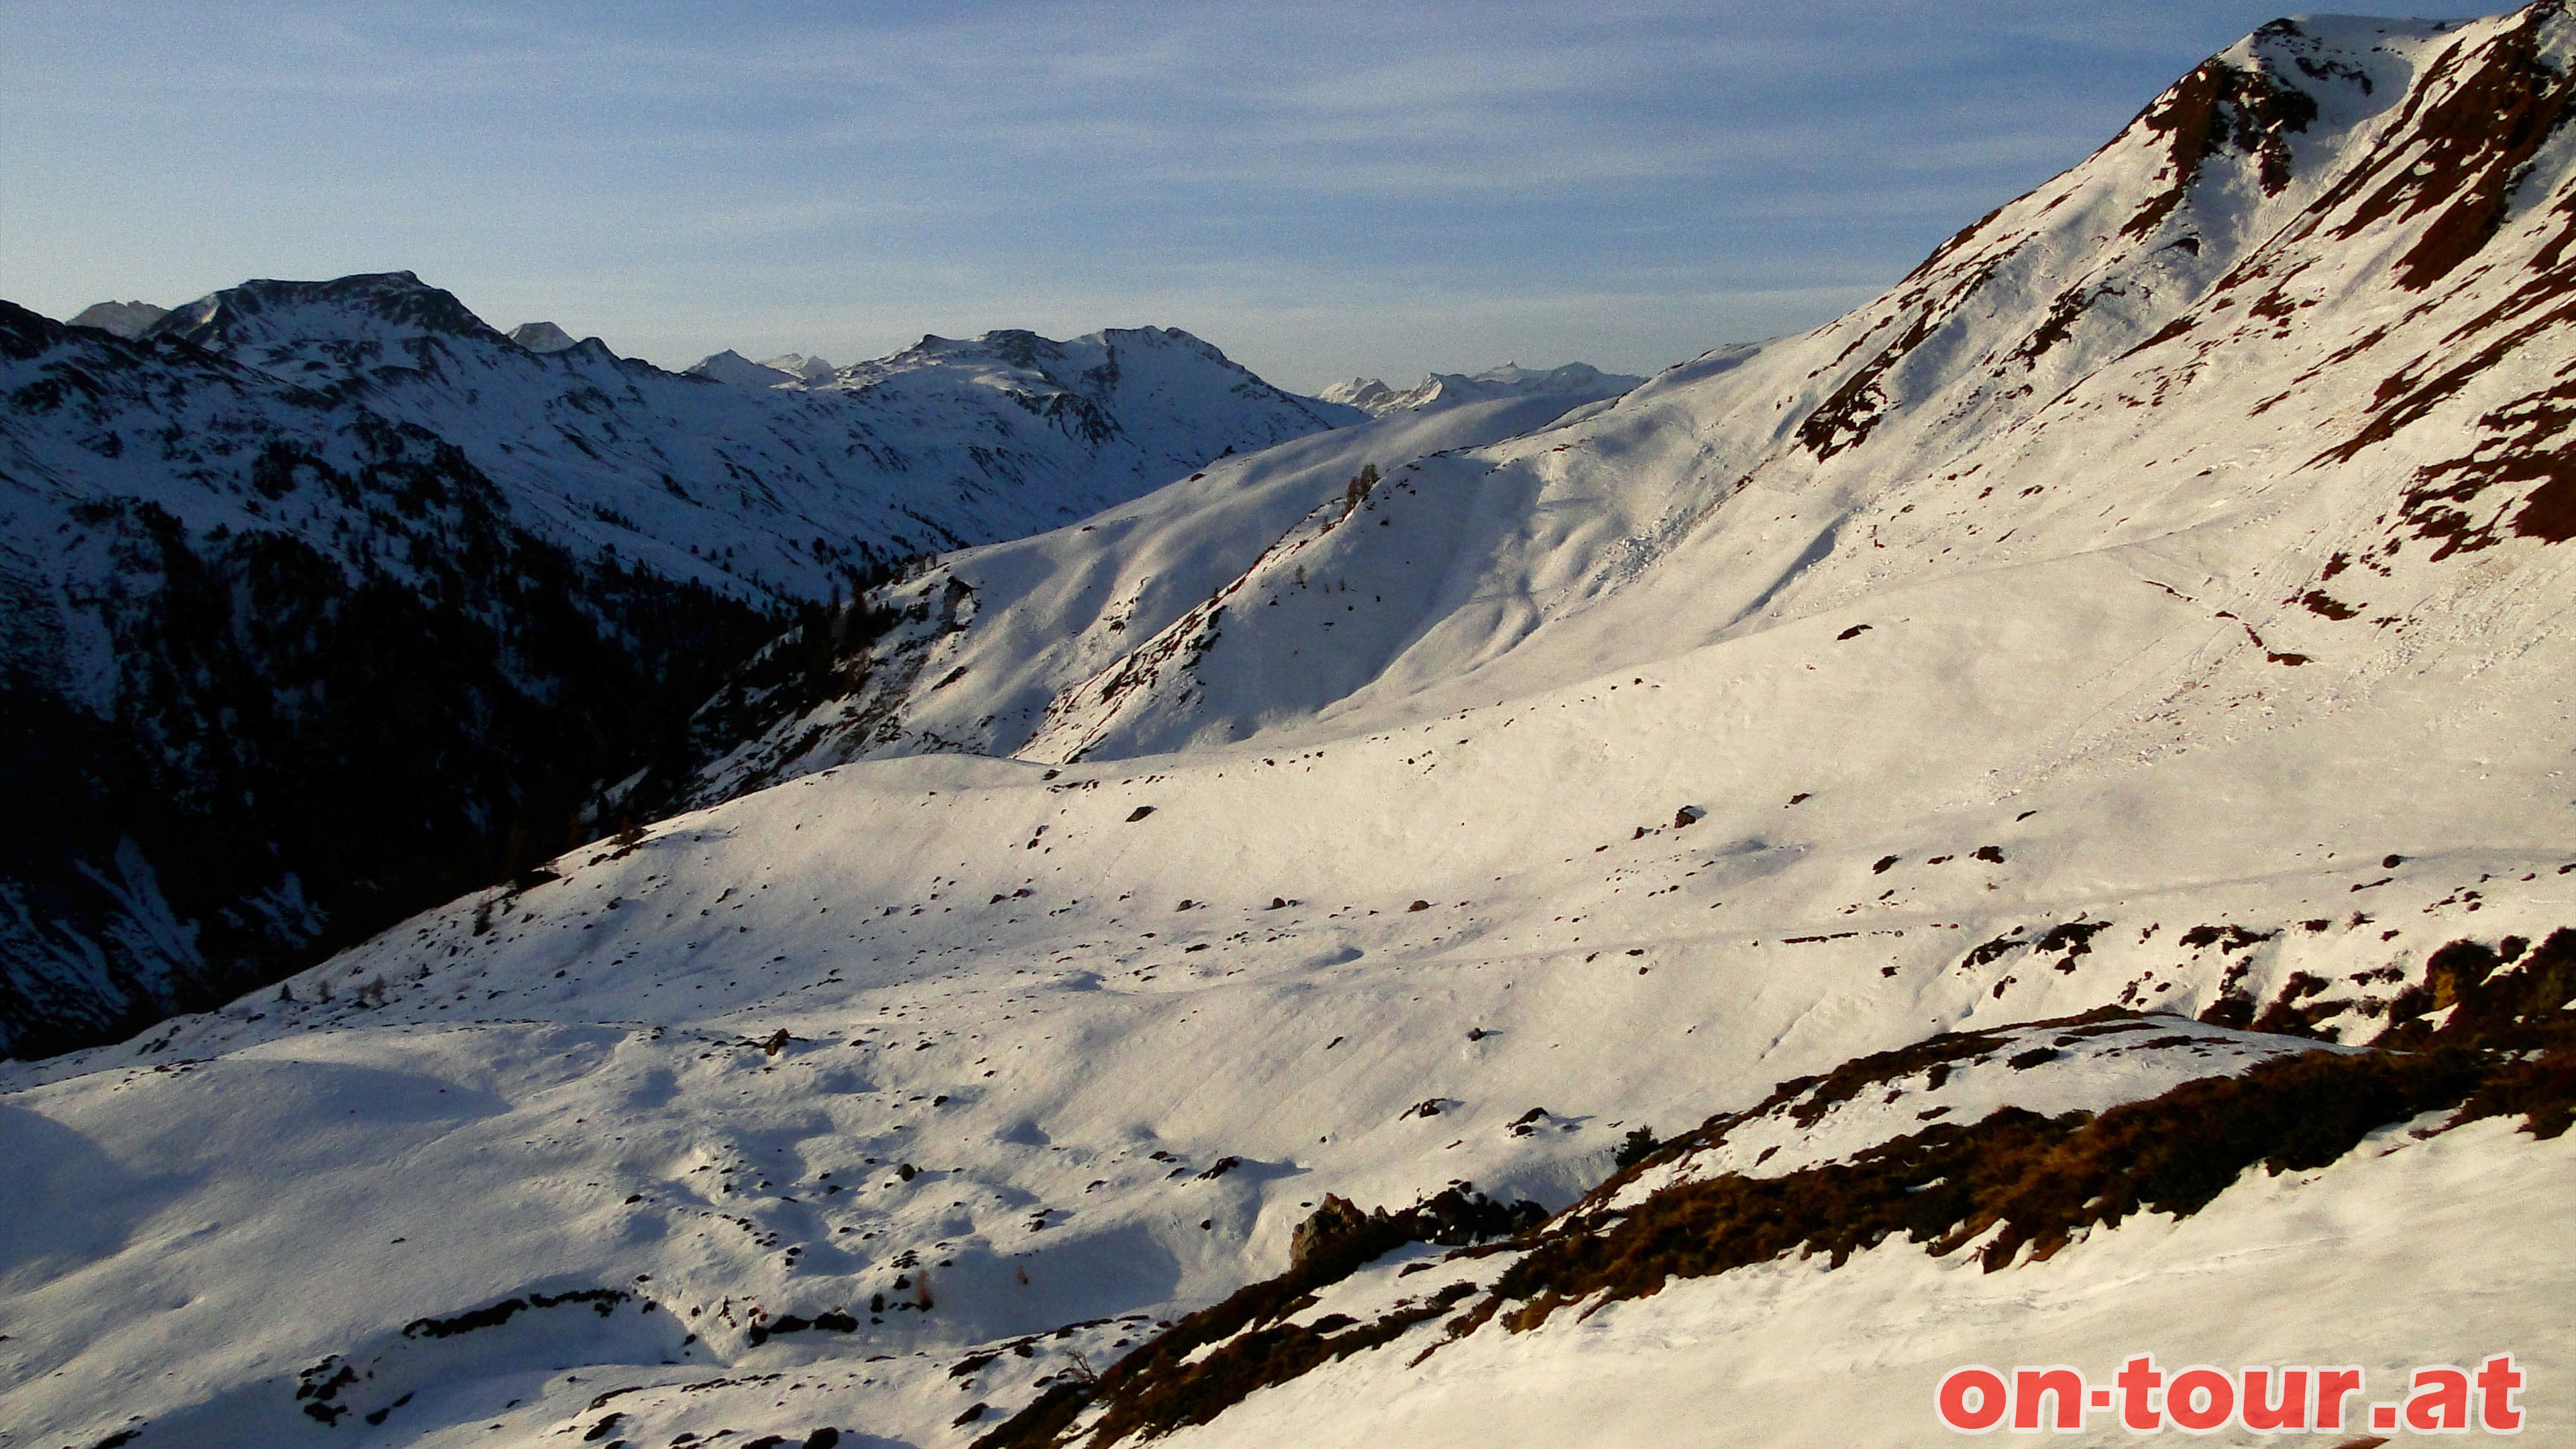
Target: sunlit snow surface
<point x="1347" y="920"/>
<point x="223" y="1199"/>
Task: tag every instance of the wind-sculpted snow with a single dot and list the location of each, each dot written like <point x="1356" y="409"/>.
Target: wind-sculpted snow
<point x="1994" y="832"/>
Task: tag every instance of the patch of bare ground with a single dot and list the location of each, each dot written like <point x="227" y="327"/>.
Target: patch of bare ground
<point x="1161" y="1386"/>
<point x="2487" y="1034"/>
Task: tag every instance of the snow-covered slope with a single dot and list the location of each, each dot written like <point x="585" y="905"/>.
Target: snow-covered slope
<point x="2245" y="356"/>
<point x="322" y="594"/>
<point x="2057" y="711"/>
<point x="583" y="1087"/>
<point x="969" y="651"/>
<point x="2245" y="359"/>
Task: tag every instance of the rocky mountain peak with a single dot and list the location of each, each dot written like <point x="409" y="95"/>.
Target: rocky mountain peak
<point x="543" y="337"/>
<point x="373" y="307"/>
<point x="1448" y="389"/>
<point x="125" y="319"/>
<point x="732" y="367"/>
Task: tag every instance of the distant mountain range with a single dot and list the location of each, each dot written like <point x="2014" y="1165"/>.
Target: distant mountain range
<point x="1576" y="382"/>
<point x="793" y="369"/>
<point x="329" y="600"/>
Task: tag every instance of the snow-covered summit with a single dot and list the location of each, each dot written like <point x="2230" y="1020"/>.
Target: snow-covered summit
<point x="1575" y="381"/>
<point x="124" y="319"/>
<point x="785" y="370"/>
<point x="326" y="331"/>
<point x="737" y="370"/>
<point x="542" y="337"/>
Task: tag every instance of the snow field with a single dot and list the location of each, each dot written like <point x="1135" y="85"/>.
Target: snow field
<point x="1972" y="661"/>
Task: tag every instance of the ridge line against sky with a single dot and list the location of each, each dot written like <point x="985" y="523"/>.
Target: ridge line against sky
<point x="1321" y="190"/>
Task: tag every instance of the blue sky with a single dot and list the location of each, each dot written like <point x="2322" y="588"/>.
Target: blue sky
<point x="1320" y="188"/>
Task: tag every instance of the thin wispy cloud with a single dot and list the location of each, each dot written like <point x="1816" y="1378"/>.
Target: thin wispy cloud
<point x="1413" y="173"/>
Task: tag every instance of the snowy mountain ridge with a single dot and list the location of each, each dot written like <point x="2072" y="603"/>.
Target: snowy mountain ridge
<point x="2025" y="826"/>
<point x="1575" y="381"/>
<point x="793" y="369"/>
<point x="1899" y="424"/>
<point x="969" y="652"/>
<point x="979" y="437"/>
<point x="123" y="319"/>
<point x="298" y="548"/>
<point x="2036" y="358"/>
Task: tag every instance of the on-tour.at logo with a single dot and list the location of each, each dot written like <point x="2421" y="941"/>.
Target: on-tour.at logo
<point x="2439" y="1399"/>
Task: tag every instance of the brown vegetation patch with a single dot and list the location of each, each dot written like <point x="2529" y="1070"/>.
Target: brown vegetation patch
<point x="2217" y="106"/>
<point x="1994" y="950"/>
<point x="2059" y="324"/>
<point x="2478" y="133"/>
<point x="1155" y="1390"/>
<point x="2296" y="1011"/>
<point x="2481" y="134"/>
<point x="2526" y="443"/>
<point x="1846" y="418"/>
<point x="2016" y="1179"/>
<point x="2508" y="1048"/>
<point x="602" y="1301"/>
<point x="2018" y="1185"/>
<point x="2075" y="938"/>
<point x="2227" y="939"/>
